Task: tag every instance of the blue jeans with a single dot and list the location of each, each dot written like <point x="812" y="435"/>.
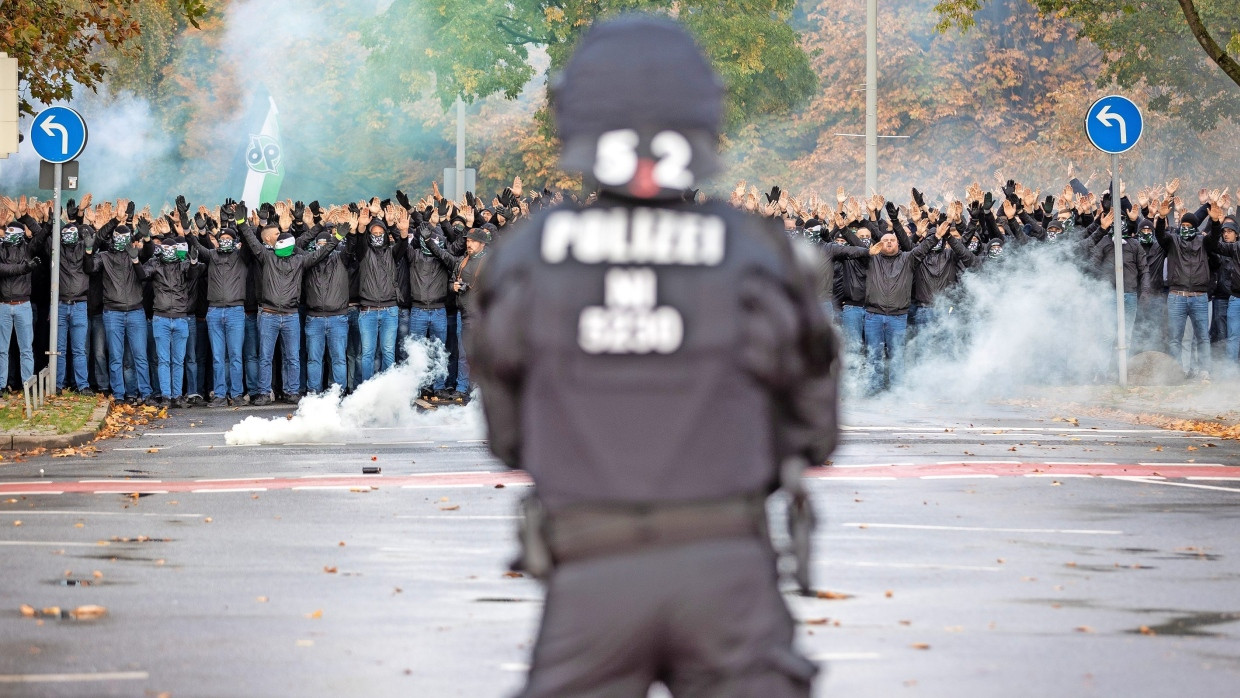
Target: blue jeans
<point x="171" y="338"/>
<point x="378" y="333"/>
<point x="20" y="319"/>
<point x="852" y="320"/>
<point x="402" y="331"/>
<point x="353" y="350"/>
<point x="1180" y="310"/>
<point x="249" y="350"/>
<point x="331" y="333"/>
<point x="286" y="328"/>
<point x="127" y="330"/>
<point x="99" y="352"/>
<point x="885" y="332"/>
<point x="72" y="327"/>
<point x="1233" y="331"/>
<point x="921" y="315"/>
<point x="197" y="357"/>
<point x="430" y="323"/>
<point x="462" y="371"/>
<point x="227" y="329"/>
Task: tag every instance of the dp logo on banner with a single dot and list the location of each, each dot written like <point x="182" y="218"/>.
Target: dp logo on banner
<point x="264" y="154"/>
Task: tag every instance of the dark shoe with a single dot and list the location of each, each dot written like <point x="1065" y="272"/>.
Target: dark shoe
<point x="194" y="400"/>
<point x="180" y="403"/>
<point x="163" y="403"/>
<point x="260" y="401"/>
<point x="291" y="399"/>
<point x="133" y="400"/>
<point x="86" y="392"/>
<point x="217" y="402"/>
<point x="443" y="395"/>
<point x="459" y="397"/>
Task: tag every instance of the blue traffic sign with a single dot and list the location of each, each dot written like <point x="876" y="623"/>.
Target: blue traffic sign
<point x="58" y="134"/>
<point x="1114" y="124"/>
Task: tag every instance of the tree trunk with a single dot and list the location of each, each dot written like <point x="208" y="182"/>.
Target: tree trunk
<point x="1213" y="50"/>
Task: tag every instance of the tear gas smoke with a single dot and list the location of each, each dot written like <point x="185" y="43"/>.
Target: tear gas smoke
<point x="384" y="401"/>
<point x="1034" y="317"/>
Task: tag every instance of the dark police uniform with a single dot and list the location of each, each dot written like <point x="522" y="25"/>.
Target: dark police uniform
<point x="652" y="363"/>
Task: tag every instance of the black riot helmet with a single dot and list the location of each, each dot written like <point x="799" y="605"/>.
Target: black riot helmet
<point x="639" y="108"/>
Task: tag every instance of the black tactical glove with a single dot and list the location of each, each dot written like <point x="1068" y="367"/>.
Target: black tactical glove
<point x="193" y="254"/>
<point x="134" y="251"/>
<point x="130" y="209"/>
<point x="316" y="211"/>
<point x="144" y="229"/>
<point x="71" y="210"/>
<point x="240" y="212"/>
<point x="415" y="217"/>
<point x="353" y="207"/>
<point x="264" y="214"/>
<point x="200" y="221"/>
<point x="1048" y="205"/>
<point x="773" y="196"/>
<point x="403" y="200"/>
<point x="470" y="200"/>
<point x="919" y="199"/>
<point x="299" y="211"/>
<point x="893" y="213"/>
<point x="988" y="202"/>
<point x="33" y="263"/>
<point x="88" y="237"/>
<point x="342" y="229"/>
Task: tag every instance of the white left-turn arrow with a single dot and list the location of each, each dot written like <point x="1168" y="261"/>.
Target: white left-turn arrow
<point x="50" y="125"/>
<point x="1108" y="119"/>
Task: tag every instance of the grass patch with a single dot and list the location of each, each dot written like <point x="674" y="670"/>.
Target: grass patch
<point x="61" y="414"/>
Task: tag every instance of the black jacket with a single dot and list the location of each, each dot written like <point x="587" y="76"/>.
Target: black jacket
<point x="281" y="287"/>
<point x="172" y="285"/>
<point x="467" y="269"/>
<point x="376" y="271"/>
<point x="1188" y="264"/>
<point x="940" y="270"/>
<point x="326" y="284"/>
<point x="74" y="281"/>
<point x="122" y="278"/>
<point x="227" y="273"/>
<point x="1136" y="268"/>
<point x="889" y="282"/>
<point x="429" y="277"/>
<point x="15" y="285"/>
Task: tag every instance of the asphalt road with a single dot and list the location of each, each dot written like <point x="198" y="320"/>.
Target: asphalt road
<point x="1006" y="554"/>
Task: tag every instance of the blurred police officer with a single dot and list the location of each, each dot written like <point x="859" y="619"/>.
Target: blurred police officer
<point x="658" y="367"/>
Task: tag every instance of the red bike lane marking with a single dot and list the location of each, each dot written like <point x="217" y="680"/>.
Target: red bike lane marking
<point x="519" y="478"/>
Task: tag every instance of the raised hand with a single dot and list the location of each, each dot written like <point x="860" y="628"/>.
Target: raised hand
<point x="841" y="196"/>
<point x="1173" y="186"/>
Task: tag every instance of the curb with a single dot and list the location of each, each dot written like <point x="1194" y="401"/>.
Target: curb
<point x="24" y="442"/>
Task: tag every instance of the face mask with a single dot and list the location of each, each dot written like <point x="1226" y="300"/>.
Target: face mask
<point x="994" y="252"/>
<point x="1187" y="234"/>
<point x="975" y="245"/>
<point x="1146" y="238"/>
<point x="227" y="244"/>
<point x="13" y="235"/>
<point x="168" y="254"/>
<point x="319" y="244"/>
<point x="1051" y="235"/>
<point x="120" y="242"/>
<point x="69" y="235"/>
<point x="377" y="240"/>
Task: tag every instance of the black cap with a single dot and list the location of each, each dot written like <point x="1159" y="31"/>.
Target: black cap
<point x="1190" y="219"/>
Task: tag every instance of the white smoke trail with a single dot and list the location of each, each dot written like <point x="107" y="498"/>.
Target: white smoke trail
<point x="382" y="401"/>
<point x="1032" y="319"/>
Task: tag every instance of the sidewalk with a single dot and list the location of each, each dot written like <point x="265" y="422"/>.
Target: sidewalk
<point x="65" y="421"/>
<point x="1207" y="408"/>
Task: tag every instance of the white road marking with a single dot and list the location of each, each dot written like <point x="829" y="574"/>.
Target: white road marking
<point x="22" y="482"/>
<point x="331" y="487"/>
<point x="1185" y="465"/>
<point x="1152" y="481"/>
<point x="75" y="678"/>
<point x="930" y="527"/>
<point x="1132" y="477"/>
<point x="9" y="493"/>
<point x="230" y="489"/>
<point x="859" y="479"/>
<point x="53" y="543"/>
<point x="870" y="465"/>
<point x="327" y="475"/>
<point x="908" y="565"/>
<point x="451" y="517"/>
<point x="472" y="441"/>
<point x="161" y="447"/>
<point x="979" y="462"/>
<point x="514" y="666"/>
<point x="84" y="514"/>
<point x="309" y="443"/>
<point x="1227" y="479"/>
<point x="1059" y="475"/>
<point x="957" y="477"/>
<point x="438" y="487"/>
<point x="234" y="479"/>
<point x="844" y="656"/>
<point x="1075" y="462"/>
<point x="129" y="491"/>
<point x="117" y="481"/>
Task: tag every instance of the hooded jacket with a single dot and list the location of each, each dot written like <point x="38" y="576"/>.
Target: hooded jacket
<point x="889" y="282"/>
<point x="1188" y="265"/>
<point x="227" y="273"/>
<point x="466" y="269"/>
<point x="429" y="277"/>
<point x="172" y="285"/>
<point x="122" y="278"/>
<point x="376" y="269"/>
<point x="74" y="281"/>
<point x="940" y="270"/>
<point x="281" y="284"/>
<point x="16" y="286"/>
<point x="326" y="284"/>
<point x="1136" y="267"/>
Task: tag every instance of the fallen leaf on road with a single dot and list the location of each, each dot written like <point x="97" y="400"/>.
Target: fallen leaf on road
<point x="1191" y="448"/>
<point x="920" y="645"/>
<point x="889" y="593"/>
<point x="328" y="569"/>
<point x="374" y="458"/>
<point x="261" y="599"/>
<point x="1084" y="629"/>
<point x="152" y="450"/>
<point x="817" y="621"/>
<point x="97" y="574"/>
<point x="1157" y="448"/>
<point x="1146" y="630"/>
<point x="341" y="544"/>
<point x="79" y="525"/>
<point x="64" y="453"/>
<point x="316" y="615"/>
<point x="17" y="523"/>
<point x="89" y="612"/>
<point x="28" y="611"/>
<point x="513" y="575"/>
<point x="51" y="611"/>
<point x="454" y="507"/>
<point x="833" y="595"/>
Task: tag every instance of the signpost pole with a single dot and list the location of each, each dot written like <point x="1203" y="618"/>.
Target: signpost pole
<point x="1117" y="211"/>
<point x="53" y="312"/>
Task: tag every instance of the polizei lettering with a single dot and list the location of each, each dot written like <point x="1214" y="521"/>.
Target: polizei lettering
<point x="637" y="236"/>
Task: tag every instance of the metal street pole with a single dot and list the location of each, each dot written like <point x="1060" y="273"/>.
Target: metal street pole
<point x="460" y="149"/>
<point x="1121" y="345"/>
<point x="871" y="96"/>
<point x="53" y="314"/>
